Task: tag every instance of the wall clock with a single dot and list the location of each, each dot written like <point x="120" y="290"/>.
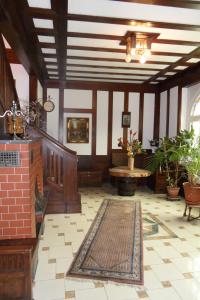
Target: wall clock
<point x="48" y="106"/>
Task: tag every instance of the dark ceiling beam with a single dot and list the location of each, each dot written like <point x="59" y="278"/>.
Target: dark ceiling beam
<point x="45" y="31"/>
<point x="85" y="48"/>
<point x="122" y="60"/>
<point x="103" y="86"/>
<point x="120" y="37"/>
<point x="110" y="73"/>
<point x="121" y="21"/>
<point x="186" y="78"/>
<point x="170" y="3"/>
<point x="111" y="67"/>
<point x="43" y="13"/>
<point x="104" y="78"/>
<point x="173" y="65"/>
<point x="19" y="36"/>
<point x="60" y="8"/>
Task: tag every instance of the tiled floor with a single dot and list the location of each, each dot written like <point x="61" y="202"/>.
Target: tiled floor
<point x="171" y="265"/>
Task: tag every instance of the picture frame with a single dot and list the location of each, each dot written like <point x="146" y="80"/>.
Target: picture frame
<point x="126" y="119"/>
<point x="77" y="130"/>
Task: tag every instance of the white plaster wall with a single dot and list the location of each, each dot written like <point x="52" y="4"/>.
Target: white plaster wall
<point x="163" y="114"/>
<point x="148" y="119"/>
<point x="21" y="78"/>
<point x="52" y="117"/>
<point x="133" y="104"/>
<point x="193" y="94"/>
<point x="39" y="91"/>
<point x="173" y="110"/>
<point x="81" y="149"/>
<point x="184" y="110"/>
<point x="102" y="123"/>
<point x="118" y="108"/>
<point x="77" y="98"/>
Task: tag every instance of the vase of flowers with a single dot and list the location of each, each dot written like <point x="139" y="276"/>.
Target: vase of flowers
<point x="132" y="146"/>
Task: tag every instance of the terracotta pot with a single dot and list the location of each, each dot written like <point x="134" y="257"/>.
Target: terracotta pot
<point x="192" y="193"/>
<point x="173" y="192"/>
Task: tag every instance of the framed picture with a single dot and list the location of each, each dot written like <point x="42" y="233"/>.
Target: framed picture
<point x="126" y="119"/>
<point x="77" y="130"/>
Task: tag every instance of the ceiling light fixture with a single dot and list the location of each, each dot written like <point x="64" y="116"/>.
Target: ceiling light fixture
<point x="138" y="46"/>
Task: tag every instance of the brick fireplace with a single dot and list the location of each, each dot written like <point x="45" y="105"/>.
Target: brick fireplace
<point x="20" y="170"/>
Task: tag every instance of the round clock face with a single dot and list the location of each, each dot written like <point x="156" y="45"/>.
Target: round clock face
<point x="48" y="106"/>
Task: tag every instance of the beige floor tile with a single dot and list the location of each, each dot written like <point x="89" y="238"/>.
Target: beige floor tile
<point x="91" y="294"/>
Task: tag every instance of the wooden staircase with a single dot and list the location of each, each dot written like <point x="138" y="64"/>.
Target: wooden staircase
<point x="60" y="175"/>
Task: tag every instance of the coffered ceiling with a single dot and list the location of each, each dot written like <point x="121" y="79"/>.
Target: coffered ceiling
<point x="79" y="40"/>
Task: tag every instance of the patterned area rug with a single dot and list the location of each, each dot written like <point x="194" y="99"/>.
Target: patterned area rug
<point x="113" y="247"/>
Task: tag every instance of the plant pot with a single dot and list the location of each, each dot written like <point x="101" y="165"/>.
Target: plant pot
<point x="173" y="192"/>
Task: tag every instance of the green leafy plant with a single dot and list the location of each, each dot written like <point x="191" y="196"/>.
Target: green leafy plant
<point x="170" y="154"/>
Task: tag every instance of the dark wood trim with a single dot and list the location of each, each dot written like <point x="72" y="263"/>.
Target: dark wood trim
<point x="120" y="37"/>
<point x="156" y="128"/>
<point x="167" y="113"/>
<point x="68" y="77"/>
<point x="110" y="125"/>
<point x="104" y="86"/>
<point x="12" y="58"/>
<point x="60" y="24"/>
<point x="172" y="3"/>
<point x="120" y="60"/>
<point x="141" y="115"/>
<point x="32" y="88"/>
<point x="121" y="21"/>
<point x="94" y="121"/>
<point x="45" y="97"/>
<point x="115" y="50"/>
<point x="78" y="110"/>
<point x="125" y="130"/>
<point x="61" y="116"/>
<point x="179" y="109"/>
<point x="111" y="67"/>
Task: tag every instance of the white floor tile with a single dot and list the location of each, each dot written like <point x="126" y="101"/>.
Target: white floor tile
<point x="49" y="290"/>
<point x="188" y="289"/>
<point x="92" y="294"/>
<point x="117" y="292"/>
<point x="166" y="272"/>
<point x="164" y="294"/>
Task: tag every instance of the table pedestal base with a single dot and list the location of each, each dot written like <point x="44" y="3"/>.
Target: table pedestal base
<point x="126" y="186"/>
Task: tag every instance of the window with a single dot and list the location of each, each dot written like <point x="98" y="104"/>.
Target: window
<point x="195" y="117"/>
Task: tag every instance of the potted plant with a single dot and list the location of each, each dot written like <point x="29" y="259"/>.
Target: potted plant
<point x="168" y="158"/>
<point x="191" y="161"/>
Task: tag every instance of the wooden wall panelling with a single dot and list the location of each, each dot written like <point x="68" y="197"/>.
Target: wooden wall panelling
<point x="141" y="114"/>
<point x="167" y="113"/>
<point x="94" y="121"/>
<point x="110" y="116"/>
<point x="125" y="130"/>
<point x="61" y="112"/>
<point x="44" y="95"/>
<point x="179" y="109"/>
<point x="32" y="88"/>
<point x="156" y="127"/>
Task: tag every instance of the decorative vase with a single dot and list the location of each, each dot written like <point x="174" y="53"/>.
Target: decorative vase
<point x="131" y="163"/>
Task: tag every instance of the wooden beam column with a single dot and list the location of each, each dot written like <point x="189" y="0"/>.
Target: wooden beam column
<point x="125" y="130"/>
<point x="179" y="109"/>
<point x="167" y="113"/>
<point x="61" y="111"/>
<point x="94" y="121"/>
<point x="156" y="129"/>
<point x="110" y="116"/>
<point x="141" y="115"/>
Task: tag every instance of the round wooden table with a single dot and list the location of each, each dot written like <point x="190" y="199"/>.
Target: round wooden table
<point x="126" y="179"/>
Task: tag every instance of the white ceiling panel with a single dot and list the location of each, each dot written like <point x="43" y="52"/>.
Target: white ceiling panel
<point x="94" y="43"/>
<point x="43" y="23"/>
<point x="48" y="50"/>
<point x="46" y="39"/>
<point x="103" y="80"/>
<point x="39" y="3"/>
<point x="134" y="11"/>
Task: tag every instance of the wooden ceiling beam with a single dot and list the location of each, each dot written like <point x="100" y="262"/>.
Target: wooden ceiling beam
<point x="135" y="22"/>
<point x="122" y="60"/>
<point x="100" y="49"/>
<point x="42" y="13"/>
<point x="104" y="78"/>
<point x="170" y="3"/>
<point x="112" y="67"/>
<point x="110" y="73"/>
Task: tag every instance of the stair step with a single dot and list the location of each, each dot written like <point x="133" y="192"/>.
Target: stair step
<point x="55" y="202"/>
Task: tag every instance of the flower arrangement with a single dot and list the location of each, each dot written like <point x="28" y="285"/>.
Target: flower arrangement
<point x="132" y="146"/>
